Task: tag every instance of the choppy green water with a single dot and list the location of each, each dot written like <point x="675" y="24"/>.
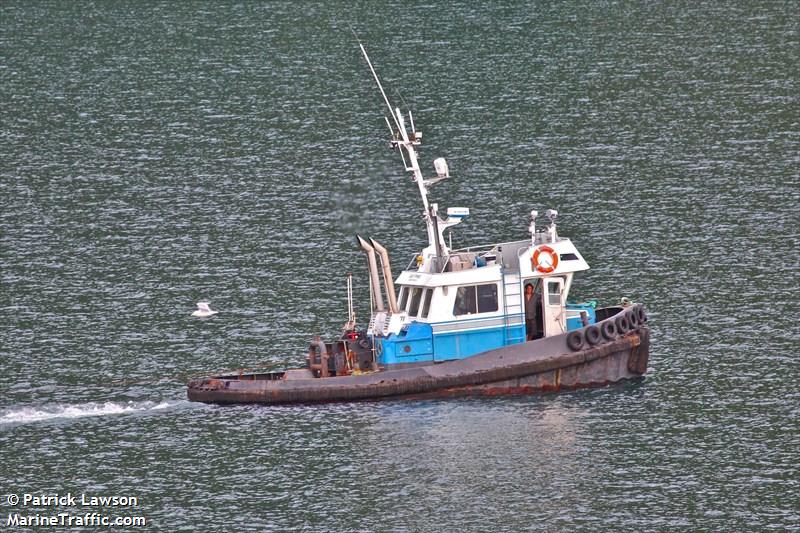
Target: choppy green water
<point x="154" y="155"/>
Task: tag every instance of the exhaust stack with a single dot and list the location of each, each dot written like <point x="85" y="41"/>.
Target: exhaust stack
<point x="373" y="272"/>
<point x="387" y="275"/>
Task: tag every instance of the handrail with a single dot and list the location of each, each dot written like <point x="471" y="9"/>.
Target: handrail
<point x="489" y="247"/>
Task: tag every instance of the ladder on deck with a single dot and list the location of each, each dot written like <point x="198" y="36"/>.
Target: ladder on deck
<point x="512" y="305"/>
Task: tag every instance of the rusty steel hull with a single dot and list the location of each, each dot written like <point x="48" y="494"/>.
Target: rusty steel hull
<point x="536" y="366"/>
<point x="599" y="367"/>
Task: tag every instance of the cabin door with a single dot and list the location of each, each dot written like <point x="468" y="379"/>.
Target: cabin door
<point x="553" y="313"/>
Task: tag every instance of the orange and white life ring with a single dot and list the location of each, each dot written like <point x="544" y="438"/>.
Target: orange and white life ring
<point x="542" y="264"/>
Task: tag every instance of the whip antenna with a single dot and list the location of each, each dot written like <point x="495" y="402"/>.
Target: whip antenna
<point x="378" y="81"/>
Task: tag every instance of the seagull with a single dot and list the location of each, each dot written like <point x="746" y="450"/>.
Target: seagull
<point x="203" y="310"/>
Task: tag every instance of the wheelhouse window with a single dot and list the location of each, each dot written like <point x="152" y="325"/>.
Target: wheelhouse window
<point x="553" y="293"/>
<point x="487" y="298"/>
<point x="426" y="302"/>
<point x="403" y="298"/>
<point x="416" y="295"/>
<point x="476" y="299"/>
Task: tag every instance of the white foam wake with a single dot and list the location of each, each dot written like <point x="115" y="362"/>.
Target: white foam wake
<point x="22" y="415"/>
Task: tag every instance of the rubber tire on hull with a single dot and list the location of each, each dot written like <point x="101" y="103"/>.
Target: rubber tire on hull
<point x="609" y="330"/>
<point x="633" y="318"/>
<point x="622" y="324"/>
<point x="641" y="314"/>
<point x="592" y="335"/>
<point x="575" y="341"/>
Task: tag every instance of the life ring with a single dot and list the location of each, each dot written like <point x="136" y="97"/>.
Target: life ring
<point x="592" y="335"/>
<point x="575" y="340"/>
<point x="608" y="329"/>
<point x="547" y="267"/>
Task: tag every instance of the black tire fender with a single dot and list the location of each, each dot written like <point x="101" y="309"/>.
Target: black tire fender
<point x="622" y="324"/>
<point x="575" y="340"/>
<point x="592" y="335"/>
<point x="633" y="318"/>
<point x="641" y="314"/>
<point x="608" y="329"/>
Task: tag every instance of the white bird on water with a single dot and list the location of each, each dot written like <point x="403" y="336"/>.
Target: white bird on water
<point x="203" y="310"/>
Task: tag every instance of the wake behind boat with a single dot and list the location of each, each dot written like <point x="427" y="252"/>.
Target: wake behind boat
<point x="479" y="320"/>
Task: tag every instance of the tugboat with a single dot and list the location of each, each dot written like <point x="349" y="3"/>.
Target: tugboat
<point x="483" y="320"/>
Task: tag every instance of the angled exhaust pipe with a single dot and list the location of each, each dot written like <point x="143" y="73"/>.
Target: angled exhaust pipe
<point x="387" y="275"/>
<point x="373" y="272"/>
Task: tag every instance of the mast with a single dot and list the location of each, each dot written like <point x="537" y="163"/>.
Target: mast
<point x="405" y="142"/>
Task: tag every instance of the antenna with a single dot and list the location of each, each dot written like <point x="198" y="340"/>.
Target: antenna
<point x="408" y="108"/>
<point x="378" y="81"/>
